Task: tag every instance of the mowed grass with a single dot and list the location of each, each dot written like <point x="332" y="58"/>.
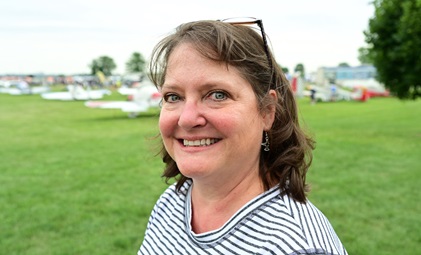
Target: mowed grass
<point x="366" y="172"/>
<point x="75" y="180"/>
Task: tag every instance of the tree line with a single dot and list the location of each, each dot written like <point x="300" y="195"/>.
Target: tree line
<point x="136" y="64"/>
<point x="106" y="65"/>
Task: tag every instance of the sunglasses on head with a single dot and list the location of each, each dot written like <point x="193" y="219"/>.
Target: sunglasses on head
<point x="251" y="21"/>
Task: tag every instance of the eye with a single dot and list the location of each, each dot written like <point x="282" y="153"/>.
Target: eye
<point x="218" y="95"/>
<point x="171" y="98"/>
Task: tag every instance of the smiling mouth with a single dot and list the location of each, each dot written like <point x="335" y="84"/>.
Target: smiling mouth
<point x="200" y="143"/>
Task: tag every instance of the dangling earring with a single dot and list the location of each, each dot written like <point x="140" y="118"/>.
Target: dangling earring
<point x="266" y="143"/>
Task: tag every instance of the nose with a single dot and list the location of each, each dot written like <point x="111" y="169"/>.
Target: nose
<point x="191" y="116"/>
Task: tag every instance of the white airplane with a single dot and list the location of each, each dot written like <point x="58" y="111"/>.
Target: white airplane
<point x="144" y="97"/>
<point x="127" y="91"/>
<point x="323" y="94"/>
<point x="76" y="92"/>
<point x="21" y="88"/>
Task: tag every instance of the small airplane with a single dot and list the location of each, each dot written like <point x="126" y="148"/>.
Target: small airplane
<point x="143" y="97"/>
<point x="21" y="88"/>
<point x="362" y="93"/>
<point x="76" y="92"/>
<point x="362" y="90"/>
<point x="127" y="91"/>
<point x="323" y="94"/>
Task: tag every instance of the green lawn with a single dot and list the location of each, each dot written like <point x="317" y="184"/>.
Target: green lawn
<point x="75" y="180"/>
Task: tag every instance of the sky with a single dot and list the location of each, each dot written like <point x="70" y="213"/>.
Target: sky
<point x="63" y="37"/>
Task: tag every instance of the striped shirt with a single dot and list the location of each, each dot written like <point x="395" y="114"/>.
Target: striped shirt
<point x="268" y="224"/>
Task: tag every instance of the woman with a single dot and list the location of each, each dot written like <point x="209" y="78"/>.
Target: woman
<point x="232" y="140"/>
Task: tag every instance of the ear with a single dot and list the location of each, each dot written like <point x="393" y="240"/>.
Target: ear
<point x="269" y="112"/>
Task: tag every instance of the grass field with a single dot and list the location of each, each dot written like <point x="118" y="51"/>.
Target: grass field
<point x="75" y="180"/>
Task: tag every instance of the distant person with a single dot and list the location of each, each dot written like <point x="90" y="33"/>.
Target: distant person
<point x="313" y="95"/>
<point x="232" y="140"/>
<point x="333" y="91"/>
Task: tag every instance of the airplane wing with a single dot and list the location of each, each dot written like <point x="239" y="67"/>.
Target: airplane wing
<point x="57" y="96"/>
<point x="16" y="91"/>
<point x="125" y="106"/>
<point x="143" y="98"/>
<point x="67" y="96"/>
<point x="32" y="90"/>
<point x="127" y="91"/>
<point x="39" y="89"/>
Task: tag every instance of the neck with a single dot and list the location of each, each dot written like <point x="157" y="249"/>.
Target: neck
<point x="214" y="204"/>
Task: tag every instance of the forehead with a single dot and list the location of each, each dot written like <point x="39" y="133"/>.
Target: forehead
<point x="187" y="49"/>
<point x="186" y="61"/>
<point x="187" y="65"/>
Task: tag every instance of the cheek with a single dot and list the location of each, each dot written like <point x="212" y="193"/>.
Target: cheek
<point x="227" y="125"/>
<point x="239" y="119"/>
<point x="166" y="128"/>
<point x="167" y="124"/>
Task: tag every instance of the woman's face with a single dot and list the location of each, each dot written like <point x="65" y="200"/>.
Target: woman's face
<point x="209" y="122"/>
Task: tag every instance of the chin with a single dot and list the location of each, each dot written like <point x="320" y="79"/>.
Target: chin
<point x="193" y="173"/>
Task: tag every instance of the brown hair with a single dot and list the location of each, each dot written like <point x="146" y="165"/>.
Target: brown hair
<point x="290" y="154"/>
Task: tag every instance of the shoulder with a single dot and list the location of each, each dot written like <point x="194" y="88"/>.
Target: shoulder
<point x="169" y="208"/>
<point x="313" y="224"/>
<point x="307" y="215"/>
<point x="298" y="210"/>
<point x="167" y="218"/>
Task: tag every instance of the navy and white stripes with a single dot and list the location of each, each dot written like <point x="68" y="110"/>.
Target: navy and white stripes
<point x="269" y="224"/>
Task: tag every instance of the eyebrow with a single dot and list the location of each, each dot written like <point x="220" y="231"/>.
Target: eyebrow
<point x="202" y="86"/>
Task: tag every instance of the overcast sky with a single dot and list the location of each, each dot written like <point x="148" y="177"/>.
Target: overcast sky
<point x="63" y="37"/>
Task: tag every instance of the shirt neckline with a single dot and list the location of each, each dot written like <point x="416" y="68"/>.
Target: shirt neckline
<point x="246" y="211"/>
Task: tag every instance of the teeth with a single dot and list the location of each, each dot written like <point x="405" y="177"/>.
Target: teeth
<point x="203" y="142"/>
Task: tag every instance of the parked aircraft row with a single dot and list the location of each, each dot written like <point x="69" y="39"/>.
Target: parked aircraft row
<point x="76" y="92"/>
<point x="140" y="98"/>
<point x="21" y="88"/>
<point x="145" y="95"/>
<point x="356" y="93"/>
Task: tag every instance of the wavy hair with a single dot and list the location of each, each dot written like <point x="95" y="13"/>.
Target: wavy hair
<point x="240" y="46"/>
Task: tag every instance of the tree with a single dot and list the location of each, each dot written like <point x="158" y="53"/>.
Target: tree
<point x="104" y="64"/>
<point x="285" y="70"/>
<point x="300" y="68"/>
<point x="343" y="64"/>
<point x="136" y="63"/>
<point x="394" y="45"/>
<point x="364" y="56"/>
